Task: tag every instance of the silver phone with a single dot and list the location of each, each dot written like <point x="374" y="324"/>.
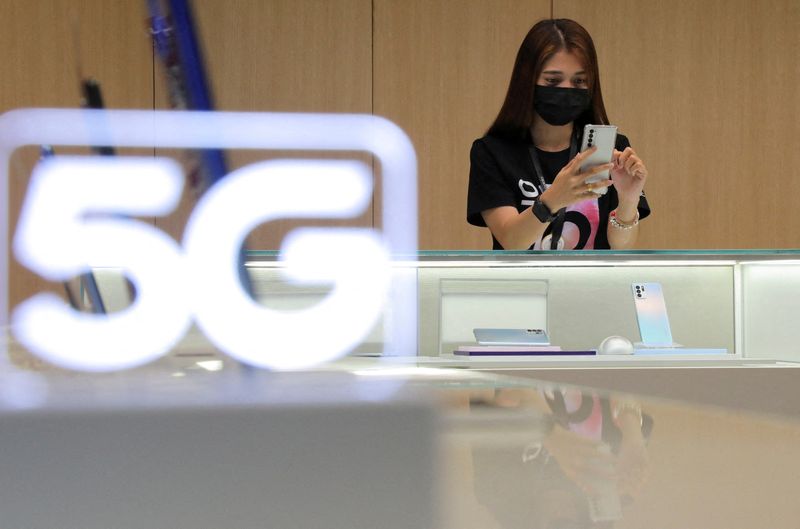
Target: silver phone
<point x="651" y="314"/>
<point x="605" y="138"/>
<point x="511" y="336"/>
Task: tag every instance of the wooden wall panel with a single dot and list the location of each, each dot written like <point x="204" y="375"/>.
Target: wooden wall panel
<point x="707" y="92"/>
<point x="282" y="56"/>
<point x="441" y="72"/>
<point x="43" y="42"/>
<point x="288" y="55"/>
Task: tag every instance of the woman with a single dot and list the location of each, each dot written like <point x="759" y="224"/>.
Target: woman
<point x="525" y="176"/>
<point x="596" y="450"/>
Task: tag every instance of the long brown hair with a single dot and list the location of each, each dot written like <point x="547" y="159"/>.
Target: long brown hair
<point x="545" y="39"/>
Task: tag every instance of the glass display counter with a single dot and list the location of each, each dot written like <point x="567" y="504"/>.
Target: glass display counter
<point x="742" y="303"/>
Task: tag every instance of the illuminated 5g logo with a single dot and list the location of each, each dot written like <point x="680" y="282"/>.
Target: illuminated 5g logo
<point x="77" y="213"/>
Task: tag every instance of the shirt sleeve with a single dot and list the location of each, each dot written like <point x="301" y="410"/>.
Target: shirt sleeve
<point x="487" y="187"/>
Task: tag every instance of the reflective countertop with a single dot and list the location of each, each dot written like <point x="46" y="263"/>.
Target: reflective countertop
<point x="508" y="452"/>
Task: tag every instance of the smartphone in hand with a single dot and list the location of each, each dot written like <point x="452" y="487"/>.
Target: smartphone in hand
<point x="604" y="137"/>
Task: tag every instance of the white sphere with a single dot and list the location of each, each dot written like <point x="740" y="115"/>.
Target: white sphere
<point x="615" y="345"/>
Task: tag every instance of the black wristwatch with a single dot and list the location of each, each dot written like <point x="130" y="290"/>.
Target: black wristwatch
<point x="542" y="212"/>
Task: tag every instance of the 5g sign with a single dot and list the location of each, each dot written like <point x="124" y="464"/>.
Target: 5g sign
<point x="78" y="213"/>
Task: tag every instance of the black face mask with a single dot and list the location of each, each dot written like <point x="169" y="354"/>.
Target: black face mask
<point x="559" y="106"/>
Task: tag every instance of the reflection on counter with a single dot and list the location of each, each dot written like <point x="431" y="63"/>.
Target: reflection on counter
<point x="611" y="460"/>
<point x="588" y="467"/>
<point x="512" y="453"/>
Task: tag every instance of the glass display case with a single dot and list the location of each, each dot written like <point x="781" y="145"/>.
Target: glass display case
<point x="740" y="303"/>
<point x="731" y="314"/>
<point x="736" y="307"/>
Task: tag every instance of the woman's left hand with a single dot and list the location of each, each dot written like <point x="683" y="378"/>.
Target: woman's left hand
<point x="628" y="175"/>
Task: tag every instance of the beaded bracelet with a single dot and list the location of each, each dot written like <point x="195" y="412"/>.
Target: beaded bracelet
<point x="621" y="225"/>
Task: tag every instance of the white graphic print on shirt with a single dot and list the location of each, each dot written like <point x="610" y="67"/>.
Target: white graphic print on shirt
<point x="529" y="191"/>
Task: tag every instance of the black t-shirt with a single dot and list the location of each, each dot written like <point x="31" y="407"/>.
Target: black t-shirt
<point x="502" y="174"/>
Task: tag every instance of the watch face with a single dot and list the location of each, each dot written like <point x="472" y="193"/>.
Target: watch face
<point x="541" y="211"/>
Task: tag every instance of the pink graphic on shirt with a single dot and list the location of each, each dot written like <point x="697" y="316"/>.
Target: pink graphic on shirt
<point x="586" y="425"/>
<point x="580" y="226"/>
<point x="592" y="426"/>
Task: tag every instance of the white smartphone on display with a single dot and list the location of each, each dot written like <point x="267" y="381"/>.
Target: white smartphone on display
<point x="511" y="336"/>
<point x="604" y="137"/>
<point x="651" y="314"/>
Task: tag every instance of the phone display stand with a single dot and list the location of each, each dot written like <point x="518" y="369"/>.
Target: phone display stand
<point x="644" y="349"/>
<point x="643" y="345"/>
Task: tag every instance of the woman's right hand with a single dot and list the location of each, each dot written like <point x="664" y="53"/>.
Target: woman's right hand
<point x="570" y="187"/>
